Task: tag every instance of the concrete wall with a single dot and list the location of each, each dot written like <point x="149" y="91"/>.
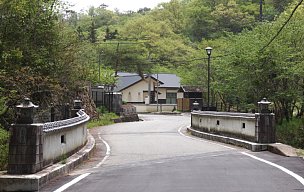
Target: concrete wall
<point x="240" y="125"/>
<point x="142" y="108"/>
<point x="61" y="141"/>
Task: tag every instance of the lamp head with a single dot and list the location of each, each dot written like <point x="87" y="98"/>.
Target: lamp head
<point x="208" y="50"/>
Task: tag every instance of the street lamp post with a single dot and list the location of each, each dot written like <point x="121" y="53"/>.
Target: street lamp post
<point x="208" y="50"/>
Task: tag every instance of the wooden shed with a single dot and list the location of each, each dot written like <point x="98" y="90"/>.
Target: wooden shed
<point x="187" y="95"/>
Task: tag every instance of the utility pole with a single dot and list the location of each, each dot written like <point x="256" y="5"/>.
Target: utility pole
<point x="99" y="64"/>
<point x="149" y="81"/>
<point x="157" y="91"/>
<point x="117" y="59"/>
<point x="261" y="10"/>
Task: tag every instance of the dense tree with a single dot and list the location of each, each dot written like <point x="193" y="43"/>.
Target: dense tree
<point x="46" y="49"/>
<point x="38" y="53"/>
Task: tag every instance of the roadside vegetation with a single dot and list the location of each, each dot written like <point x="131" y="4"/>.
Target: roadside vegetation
<point x="292" y="133"/>
<point x="103" y="118"/>
<point x="4" y="137"/>
<point x="51" y="53"/>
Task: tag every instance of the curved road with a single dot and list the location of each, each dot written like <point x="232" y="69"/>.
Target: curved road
<point x="157" y="155"/>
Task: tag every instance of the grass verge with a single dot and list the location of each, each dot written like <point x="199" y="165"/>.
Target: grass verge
<point x="291" y="133"/>
<point x="104" y="119"/>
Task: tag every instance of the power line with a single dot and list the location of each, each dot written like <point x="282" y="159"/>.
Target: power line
<point x="282" y="27"/>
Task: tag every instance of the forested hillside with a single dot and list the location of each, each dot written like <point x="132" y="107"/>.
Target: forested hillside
<point x="49" y="52"/>
<point x="246" y="66"/>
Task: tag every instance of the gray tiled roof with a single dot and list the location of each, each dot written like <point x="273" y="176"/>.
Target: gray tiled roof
<point x="169" y="80"/>
<point x="127" y="79"/>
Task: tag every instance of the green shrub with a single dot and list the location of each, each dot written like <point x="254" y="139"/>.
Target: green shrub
<point x="104" y="119"/>
<point x="291" y="132"/>
<point x="4" y="138"/>
<point x="102" y="110"/>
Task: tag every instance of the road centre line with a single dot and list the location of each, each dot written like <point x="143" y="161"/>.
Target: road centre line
<point x="287" y="171"/>
<point x="79" y="178"/>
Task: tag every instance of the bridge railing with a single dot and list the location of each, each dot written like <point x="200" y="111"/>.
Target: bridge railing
<point x="63" y="138"/>
<point x="33" y="147"/>
<point x="258" y="127"/>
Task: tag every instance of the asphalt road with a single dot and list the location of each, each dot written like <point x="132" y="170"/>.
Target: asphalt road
<point x="157" y="155"/>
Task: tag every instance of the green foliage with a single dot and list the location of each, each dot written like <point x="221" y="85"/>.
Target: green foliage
<point x="3" y="106"/>
<point x="102" y="110"/>
<point x="291" y="132"/>
<point x="104" y="119"/>
<point x="4" y="139"/>
<point x="45" y="53"/>
<point x="63" y="158"/>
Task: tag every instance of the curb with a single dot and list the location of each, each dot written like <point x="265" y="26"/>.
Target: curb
<point x="255" y="147"/>
<point x="34" y="182"/>
<point x="277" y="148"/>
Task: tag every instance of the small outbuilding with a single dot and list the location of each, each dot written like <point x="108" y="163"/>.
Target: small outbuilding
<point x="187" y="95"/>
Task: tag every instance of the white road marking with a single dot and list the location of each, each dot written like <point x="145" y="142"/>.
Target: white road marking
<point x="296" y="176"/>
<point x="79" y="178"/>
<point x="108" y="153"/>
<point x="199" y="139"/>
<point x="74" y="181"/>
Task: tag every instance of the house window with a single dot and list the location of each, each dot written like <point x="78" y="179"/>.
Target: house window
<point x="171" y="98"/>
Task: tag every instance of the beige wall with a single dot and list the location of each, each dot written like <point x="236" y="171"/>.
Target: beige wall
<point x="137" y="92"/>
<point x="142" y="108"/>
<point x="162" y="92"/>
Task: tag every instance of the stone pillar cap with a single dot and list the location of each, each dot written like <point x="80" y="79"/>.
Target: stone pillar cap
<point x="264" y="101"/>
<point x="26" y="103"/>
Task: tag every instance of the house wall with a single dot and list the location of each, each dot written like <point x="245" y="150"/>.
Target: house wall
<point x="135" y="93"/>
<point x="162" y="92"/>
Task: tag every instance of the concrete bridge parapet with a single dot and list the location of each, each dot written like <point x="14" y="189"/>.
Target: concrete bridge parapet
<point x="256" y="128"/>
<point x="33" y="147"/>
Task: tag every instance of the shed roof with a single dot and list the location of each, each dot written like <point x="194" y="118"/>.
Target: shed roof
<point x="189" y="88"/>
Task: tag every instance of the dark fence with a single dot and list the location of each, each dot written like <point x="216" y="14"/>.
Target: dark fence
<point x="109" y="99"/>
<point x="53" y="113"/>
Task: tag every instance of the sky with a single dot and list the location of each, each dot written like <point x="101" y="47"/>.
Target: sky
<point x="122" y="5"/>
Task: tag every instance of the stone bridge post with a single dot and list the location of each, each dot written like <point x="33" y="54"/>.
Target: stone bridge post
<point x="265" y="123"/>
<point x="25" y="146"/>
